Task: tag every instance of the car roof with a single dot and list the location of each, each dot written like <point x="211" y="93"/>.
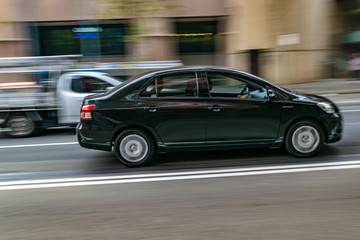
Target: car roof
<point x="197" y="68"/>
<point x="192" y="68"/>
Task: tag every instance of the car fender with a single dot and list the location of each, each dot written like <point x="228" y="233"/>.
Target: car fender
<point x="124" y="127"/>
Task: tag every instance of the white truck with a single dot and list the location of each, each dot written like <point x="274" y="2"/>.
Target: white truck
<point x="27" y="108"/>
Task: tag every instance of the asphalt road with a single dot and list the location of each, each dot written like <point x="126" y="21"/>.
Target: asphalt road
<point x="50" y="188"/>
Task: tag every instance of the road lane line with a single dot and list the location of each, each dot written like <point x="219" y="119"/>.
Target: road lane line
<point x="350" y="110"/>
<point x="39" y="145"/>
<point x="139" y="180"/>
<point x="353" y="123"/>
<point x="329" y="94"/>
<point x="214" y="174"/>
<point x="244" y="169"/>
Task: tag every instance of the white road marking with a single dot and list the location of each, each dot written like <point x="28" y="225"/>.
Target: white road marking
<point x="244" y="169"/>
<point x="329" y="94"/>
<point x="39" y="145"/>
<point x="353" y="123"/>
<point x="71" y="182"/>
<point x="350" y="110"/>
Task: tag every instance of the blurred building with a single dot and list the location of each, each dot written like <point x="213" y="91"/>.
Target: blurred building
<point x="284" y="41"/>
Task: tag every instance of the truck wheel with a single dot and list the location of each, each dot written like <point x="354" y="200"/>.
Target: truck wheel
<point x="20" y="126"/>
<point x="134" y="148"/>
<point x="304" y="138"/>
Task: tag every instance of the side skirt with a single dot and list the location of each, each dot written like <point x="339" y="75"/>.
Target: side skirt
<point x="164" y="148"/>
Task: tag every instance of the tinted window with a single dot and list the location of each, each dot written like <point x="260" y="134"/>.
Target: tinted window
<point x="88" y="85"/>
<point x="221" y="85"/>
<point x="149" y="91"/>
<point x="179" y="85"/>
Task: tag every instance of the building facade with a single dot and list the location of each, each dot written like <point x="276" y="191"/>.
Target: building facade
<point x="283" y="41"/>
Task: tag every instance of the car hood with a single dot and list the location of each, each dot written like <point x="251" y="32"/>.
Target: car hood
<point x="312" y="98"/>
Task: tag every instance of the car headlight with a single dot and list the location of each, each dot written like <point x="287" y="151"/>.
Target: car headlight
<point x="327" y="107"/>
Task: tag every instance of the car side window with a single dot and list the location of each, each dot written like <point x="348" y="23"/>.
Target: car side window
<point x="177" y="85"/>
<point x="149" y="91"/>
<point x="83" y="84"/>
<point x="221" y="85"/>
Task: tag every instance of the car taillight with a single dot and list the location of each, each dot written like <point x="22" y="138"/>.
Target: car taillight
<point x="85" y="113"/>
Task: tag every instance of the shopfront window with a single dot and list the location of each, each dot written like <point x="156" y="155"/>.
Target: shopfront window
<point x="196" y="37"/>
<point x="106" y="39"/>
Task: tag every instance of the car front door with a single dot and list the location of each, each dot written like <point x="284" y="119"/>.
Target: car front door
<point x="239" y="110"/>
<point x="171" y="106"/>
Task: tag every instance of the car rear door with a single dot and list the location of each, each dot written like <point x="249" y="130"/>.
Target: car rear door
<point x="171" y="106"/>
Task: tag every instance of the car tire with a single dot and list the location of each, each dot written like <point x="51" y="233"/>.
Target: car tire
<point x="134" y="148"/>
<point x="304" y="138"/>
<point x="20" y="125"/>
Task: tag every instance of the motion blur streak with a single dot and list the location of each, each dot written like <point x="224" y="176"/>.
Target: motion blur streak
<point x="196" y="175"/>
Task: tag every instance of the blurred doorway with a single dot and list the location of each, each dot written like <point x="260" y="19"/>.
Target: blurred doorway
<point x="254" y="62"/>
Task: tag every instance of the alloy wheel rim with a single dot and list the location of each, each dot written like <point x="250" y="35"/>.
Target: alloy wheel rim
<point x="133" y="148"/>
<point x="305" y="139"/>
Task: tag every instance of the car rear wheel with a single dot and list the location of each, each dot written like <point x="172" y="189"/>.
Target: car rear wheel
<point x="304" y="138"/>
<point x="134" y="148"/>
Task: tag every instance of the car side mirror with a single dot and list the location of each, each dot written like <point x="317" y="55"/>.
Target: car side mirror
<point x="271" y="93"/>
<point x="135" y="96"/>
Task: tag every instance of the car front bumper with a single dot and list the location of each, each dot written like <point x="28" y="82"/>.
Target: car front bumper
<point x="335" y="128"/>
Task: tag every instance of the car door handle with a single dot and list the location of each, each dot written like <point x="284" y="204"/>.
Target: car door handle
<point x="151" y="108"/>
<point x="216" y="108"/>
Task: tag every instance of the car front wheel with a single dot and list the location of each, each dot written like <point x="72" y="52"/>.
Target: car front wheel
<point x="134" y="148"/>
<point x="304" y="138"/>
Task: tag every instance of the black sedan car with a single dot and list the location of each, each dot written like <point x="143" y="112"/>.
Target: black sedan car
<point x="204" y="108"/>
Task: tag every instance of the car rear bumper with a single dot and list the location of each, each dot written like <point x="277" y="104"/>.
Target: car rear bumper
<point x="86" y="142"/>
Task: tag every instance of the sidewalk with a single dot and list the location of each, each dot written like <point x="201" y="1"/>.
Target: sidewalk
<point x="340" y="90"/>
